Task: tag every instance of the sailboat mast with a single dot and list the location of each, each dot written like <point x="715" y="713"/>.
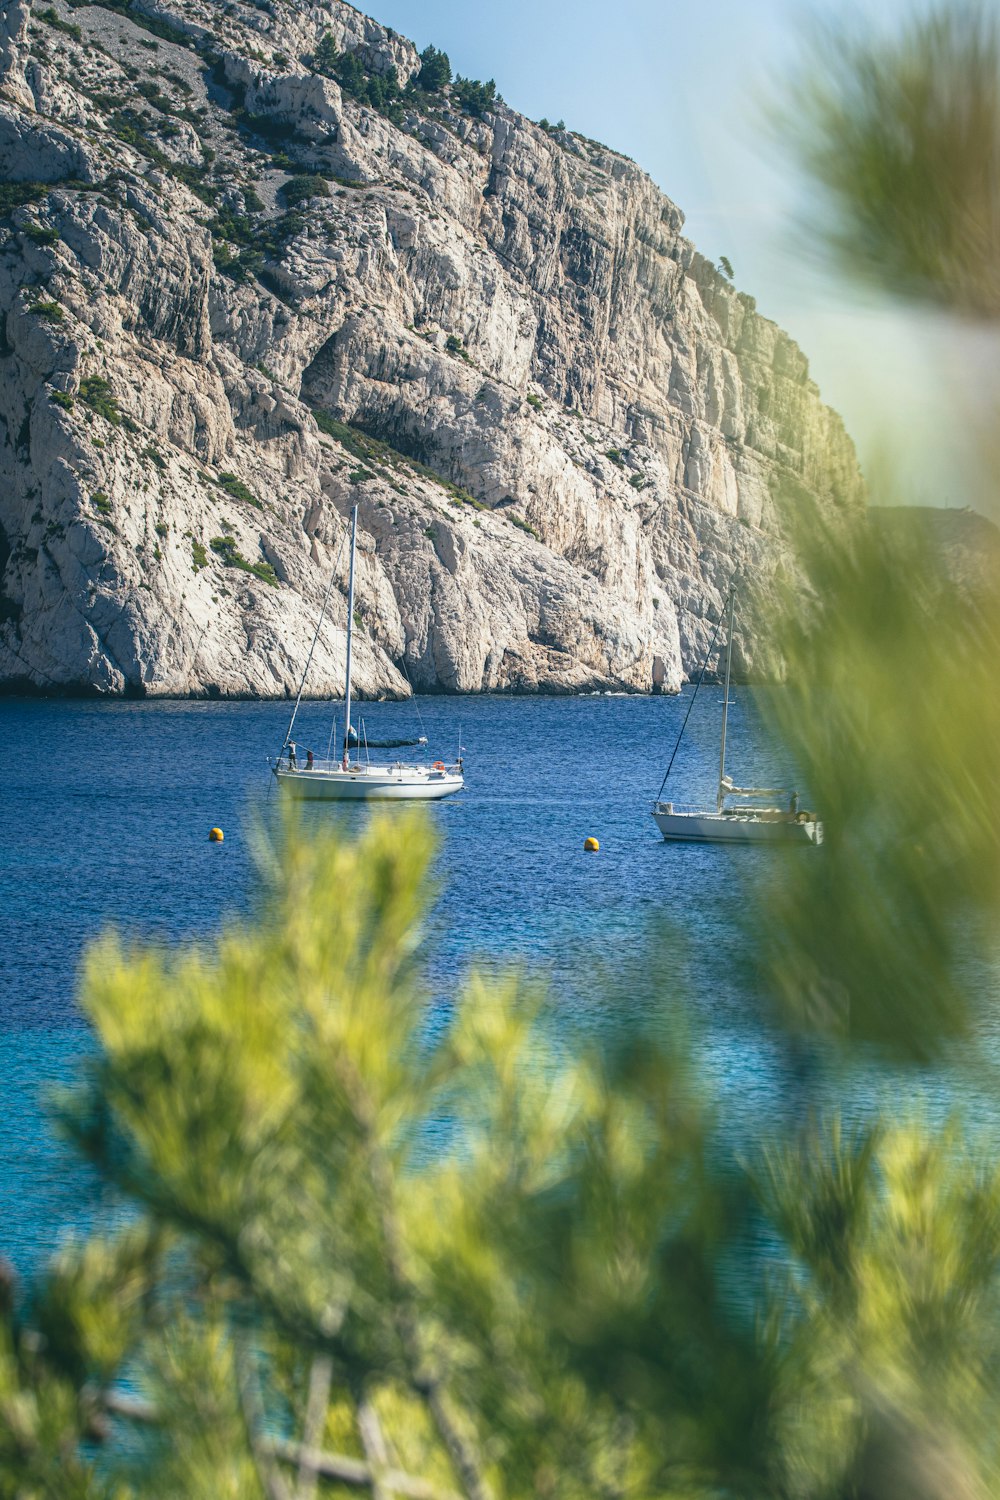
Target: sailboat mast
<point x="350" y="628"/>
<point x="721" y="796"/>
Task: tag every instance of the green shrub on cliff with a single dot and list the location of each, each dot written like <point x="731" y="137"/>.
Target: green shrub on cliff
<point x="41" y="234"/>
<point x="303" y="187"/>
<point x="225" y="548"/>
<point x="474" y="97"/>
<point x="50" y="18"/>
<point x="239" y="491"/>
<point x="97" y="393"/>
<point x="50" y="311"/>
<point x="380" y="90"/>
<point x="14" y="194"/>
<point x="435" y="70"/>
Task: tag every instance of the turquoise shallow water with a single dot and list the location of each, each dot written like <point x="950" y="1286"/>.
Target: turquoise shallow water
<point x="107" y="808"/>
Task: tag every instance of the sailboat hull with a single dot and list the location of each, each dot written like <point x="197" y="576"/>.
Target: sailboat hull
<point x="743" y="827"/>
<point x="370" y="784"/>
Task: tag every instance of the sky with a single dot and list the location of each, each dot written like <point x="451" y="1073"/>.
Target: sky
<point x="683" y="89"/>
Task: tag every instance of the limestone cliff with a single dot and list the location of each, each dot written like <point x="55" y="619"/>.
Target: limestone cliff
<point x="237" y="296"/>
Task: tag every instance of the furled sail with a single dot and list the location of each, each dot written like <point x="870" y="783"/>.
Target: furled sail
<point x="384" y="744"/>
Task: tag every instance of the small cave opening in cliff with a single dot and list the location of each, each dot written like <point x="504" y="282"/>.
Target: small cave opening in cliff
<point x="383" y="429"/>
<point x="376" y="441"/>
<point x="417" y="448"/>
<point x="391" y="427"/>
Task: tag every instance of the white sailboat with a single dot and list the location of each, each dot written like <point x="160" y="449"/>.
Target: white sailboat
<point x="347" y="780"/>
<point x="742" y="815"/>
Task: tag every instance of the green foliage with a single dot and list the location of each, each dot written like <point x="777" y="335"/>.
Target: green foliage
<point x="50" y="311"/>
<point x="435" y="70"/>
<point x="41" y="234"/>
<point x="534" y="401"/>
<point x="14" y="194"/>
<point x="63" y="399"/>
<point x="501" y="1260"/>
<point x="199" y="557"/>
<point x="130" y="128"/>
<point x="162" y="29"/>
<point x="352" y="438"/>
<point x="903" y="134"/>
<point x="326" y="55"/>
<point x="543" y="1301"/>
<point x="154" y="95"/>
<point x="474" y="97"/>
<point x="97" y="393"/>
<point x="226" y="549"/>
<point x="904" y="910"/>
<point x="50" y="18"/>
<point x="523" y="525"/>
<point x="228" y="261"/>
<point x="726" y="267"/>
<point x="238" y="490"/>
<point x="100" y="502"/>
<point x="153" y="24"/>
<point x="379" y="90"/>
<point x="258" y="242"/>
<point x="300" y="189"/>
<point x="616" y="456"/>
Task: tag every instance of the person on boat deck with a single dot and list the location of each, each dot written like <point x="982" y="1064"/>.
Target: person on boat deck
<point x="793" y="804"/>
<point x="292" y="762"/>
<point x="309" y="760"/>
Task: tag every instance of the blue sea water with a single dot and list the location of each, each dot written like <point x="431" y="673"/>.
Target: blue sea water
<point x="107" y="807"/>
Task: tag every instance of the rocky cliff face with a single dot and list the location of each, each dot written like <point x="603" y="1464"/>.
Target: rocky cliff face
<point x="236" y="298"/>
<point x="961" y="545"/>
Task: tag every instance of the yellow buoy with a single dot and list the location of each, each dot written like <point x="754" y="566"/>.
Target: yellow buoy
<point x="215" y="835"/>
<point x="591" y="846"/>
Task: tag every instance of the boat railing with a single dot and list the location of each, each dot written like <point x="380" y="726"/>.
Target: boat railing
<point x="698" y="809"/>
<point x="301" y="765"/>
<point x="733" y="810"/>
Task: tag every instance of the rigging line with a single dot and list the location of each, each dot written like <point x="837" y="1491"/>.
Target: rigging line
<point x="312" y="648"/>
<point x="413" y="693"/>
<point x="701" y="678"/>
